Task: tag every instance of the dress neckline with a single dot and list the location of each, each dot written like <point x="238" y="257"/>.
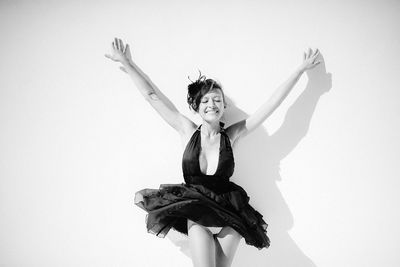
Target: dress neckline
<point x="221" y="124"/>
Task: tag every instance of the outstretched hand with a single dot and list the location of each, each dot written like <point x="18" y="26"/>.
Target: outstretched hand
<point x="309" y="60"/>
<point x="119" y="52"/>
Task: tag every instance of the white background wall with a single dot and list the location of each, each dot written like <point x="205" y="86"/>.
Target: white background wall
<point x="77" y="139"/>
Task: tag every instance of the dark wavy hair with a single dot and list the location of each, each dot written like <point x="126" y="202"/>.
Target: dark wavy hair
<point x="197" y="89"/>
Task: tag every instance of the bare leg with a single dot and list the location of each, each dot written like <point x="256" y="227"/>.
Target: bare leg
<point x="226" y="243"/>
<point x="202" y="246"/>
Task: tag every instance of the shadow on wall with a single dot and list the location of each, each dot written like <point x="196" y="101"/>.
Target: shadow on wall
<point x="257" y="160"/>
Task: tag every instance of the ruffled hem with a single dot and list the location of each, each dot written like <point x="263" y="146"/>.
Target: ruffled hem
<point x="172" y="204"/>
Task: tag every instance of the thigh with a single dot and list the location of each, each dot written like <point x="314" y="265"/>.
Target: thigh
<point x="227" y="242"/>
<point x="202" y="246"/>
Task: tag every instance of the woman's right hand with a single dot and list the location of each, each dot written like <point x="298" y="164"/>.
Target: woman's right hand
<point x="119" y="52"/>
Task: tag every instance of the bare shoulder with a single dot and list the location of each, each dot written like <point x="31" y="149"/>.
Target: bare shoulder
<point x="187" y="130"/>
<point x="234" y="131"/>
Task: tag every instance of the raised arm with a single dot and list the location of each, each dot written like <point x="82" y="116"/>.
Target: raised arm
<point x="244" y="127"/>
<point x="167" y="110"/>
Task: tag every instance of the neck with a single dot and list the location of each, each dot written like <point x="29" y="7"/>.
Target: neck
<point x="210" y="129"/>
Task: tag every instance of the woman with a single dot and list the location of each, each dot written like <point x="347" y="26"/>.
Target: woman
<point x="213" y="212"/>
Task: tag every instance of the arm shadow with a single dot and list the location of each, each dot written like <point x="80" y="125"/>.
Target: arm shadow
<point x="257" y="165"/>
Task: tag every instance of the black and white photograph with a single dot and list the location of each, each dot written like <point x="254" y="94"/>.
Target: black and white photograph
<point x="207" y="133"/>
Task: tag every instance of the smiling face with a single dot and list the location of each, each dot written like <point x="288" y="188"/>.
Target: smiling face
<point x="211" y="106"/>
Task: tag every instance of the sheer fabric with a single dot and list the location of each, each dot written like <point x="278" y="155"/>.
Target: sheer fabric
<point x="209" y="200"/>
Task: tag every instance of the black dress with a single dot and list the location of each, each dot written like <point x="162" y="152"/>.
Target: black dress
<point x="209" y="200"/>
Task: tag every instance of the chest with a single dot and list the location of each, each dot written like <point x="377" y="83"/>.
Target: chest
<point x="212" y="157"/>
<point x="209" y="154"/>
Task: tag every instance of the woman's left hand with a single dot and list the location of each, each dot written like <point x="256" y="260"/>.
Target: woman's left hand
<point x="309" y="60"/>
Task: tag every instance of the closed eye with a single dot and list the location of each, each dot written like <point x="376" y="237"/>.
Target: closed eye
<point x="205" y="100"/>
